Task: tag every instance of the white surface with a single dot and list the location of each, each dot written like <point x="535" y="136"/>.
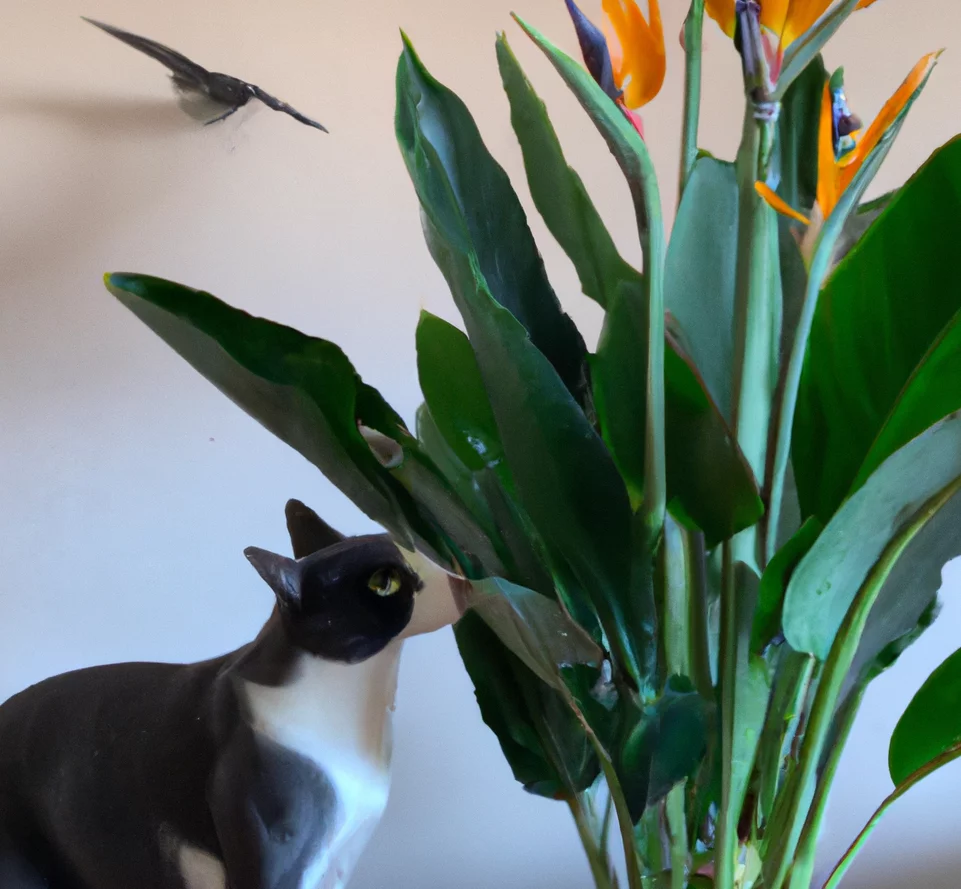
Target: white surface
<point x="130" y="486"/>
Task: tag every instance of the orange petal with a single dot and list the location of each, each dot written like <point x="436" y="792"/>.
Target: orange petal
<point x="801" y="15"/>
<point x="774" y="13"/>
<point x="889" y="114"/>
<point x="829" y="188"/>
<point x="637" y="49"/>
<point x="722" y="11"/>
<point x="784" y="208"/>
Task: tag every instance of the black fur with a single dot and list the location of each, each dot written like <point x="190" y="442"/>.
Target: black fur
<point x="188" y="76"/>
<point x="105" y="771"/>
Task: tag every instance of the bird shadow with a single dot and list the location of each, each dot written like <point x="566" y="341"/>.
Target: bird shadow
<point x="147" y="115"/>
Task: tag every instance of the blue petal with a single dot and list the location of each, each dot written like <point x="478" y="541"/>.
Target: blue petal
<point x="597" y="56"/>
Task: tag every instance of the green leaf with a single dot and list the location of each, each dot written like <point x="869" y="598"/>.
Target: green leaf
<point x="533" y="627"/>
<point x="632" y="156"/>
<point x="931" y="725"/>
<point x="475" y="552"/>
<point x="454" y="391"/>
<point x="521" y="541"/>
<point x="665" y="747"/>
<point x="700" y="272"/>
<point x="541" y="738"/>
<point x="458" y="476"/>
<point x="746" y="701"/>
<point x="859" y="223"/>
<point x="879" y="317"/>
<point x="302" y="389"/>
<point x="469" y="200"/>
<point x="892" y="508"/>
<point x="564" y="477"/>
<point x="905" y="601"/>
<point x="619" y="378"/>
<point x="798" y="127"/>
<point x="797" y="160"/>
<point x="774" y="581"/>
<point x="557" y="190"/>
<point x="709" y="482"/>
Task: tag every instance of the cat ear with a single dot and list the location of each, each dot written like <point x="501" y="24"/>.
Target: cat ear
<point x="282" y="574"/>
<point x="308" y="531"/>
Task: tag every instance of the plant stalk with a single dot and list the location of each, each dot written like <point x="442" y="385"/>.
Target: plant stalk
<point x="589" y="840"/>
<point x="757" y="331"/>
<point x="802" y="873"/>
<point x="677" y="828"/>
<point x="726" y="838"/>
<point x="693" y="31"/>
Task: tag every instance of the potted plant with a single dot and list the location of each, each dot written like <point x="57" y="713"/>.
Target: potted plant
<point x="686" y="554"/>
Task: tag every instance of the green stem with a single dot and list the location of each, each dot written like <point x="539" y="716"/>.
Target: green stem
<point x="677" y="827"/>
<point x="791" y="685"/>
<point x="802" y="873"/>
<point x="699" y="625"/>
<point x="624" y="822"/>
<point x="791" y="813"/>
<point x="693" y="29"/>
<point x="842" y="867"/>
<point x="585" y="830"/>
<point x="726" y="842"/>
<point x="757" y="323"/>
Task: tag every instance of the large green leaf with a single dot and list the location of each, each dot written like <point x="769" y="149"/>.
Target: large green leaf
<point x="911" y="588"/>
<point x="931" y="725"/>
<point x="798" y="127"/>
<point x="564" y="476"/>
<point x="454" y="392"/>
<point x="458" y="476"/>
<point x="893" y="503"/>
<point x="534" y="627"/>
<point x="665" y="746"/>
<point x="557" y="190"/>
<point x="619" y="378"/>
<point x="797" y="167"/>
<point x="302" y="389"/>
<point x="878" y="316"/>
<point x="774" y="581"/>
<point x="632" y="156"/>
<point x="699" y="275"/>
<point x="540" y="736"/>
<point x="709" y="481"/>
<point x="470" y="201"/>
<point x="709" y="484"/>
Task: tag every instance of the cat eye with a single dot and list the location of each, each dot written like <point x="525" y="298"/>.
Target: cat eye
<point x="385" y="582"/>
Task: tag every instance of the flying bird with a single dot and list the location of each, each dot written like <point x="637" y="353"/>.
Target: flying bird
<point x="195" y="81"/>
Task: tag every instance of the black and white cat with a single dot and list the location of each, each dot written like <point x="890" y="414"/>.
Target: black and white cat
<point x="267" y="768"/>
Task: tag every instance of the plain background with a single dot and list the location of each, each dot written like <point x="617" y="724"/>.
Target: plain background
<point x="130" y="486"/>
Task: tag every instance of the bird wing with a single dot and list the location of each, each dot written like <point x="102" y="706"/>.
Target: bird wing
<point x="186" y="72"/>
<point x="275" y="103"/>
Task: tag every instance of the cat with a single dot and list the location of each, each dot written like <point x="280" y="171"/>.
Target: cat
<point x="266" y="768"/>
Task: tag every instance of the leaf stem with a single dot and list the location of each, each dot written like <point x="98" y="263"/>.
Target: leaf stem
<point x="589" y="840"/>
<point x="726" y="842"/>
<point x="693" y="30"/>
<point x="842" y="866"/>
<point x="802" y="873"/>
<point x="677" y="828"/>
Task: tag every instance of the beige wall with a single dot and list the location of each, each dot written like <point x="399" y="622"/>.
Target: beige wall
<point x="130" y="487"/>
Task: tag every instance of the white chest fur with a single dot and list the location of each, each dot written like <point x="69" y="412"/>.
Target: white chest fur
<point x="339" y="717"/>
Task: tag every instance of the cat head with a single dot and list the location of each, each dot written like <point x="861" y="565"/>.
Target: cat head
<point x="344" y="602"/>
